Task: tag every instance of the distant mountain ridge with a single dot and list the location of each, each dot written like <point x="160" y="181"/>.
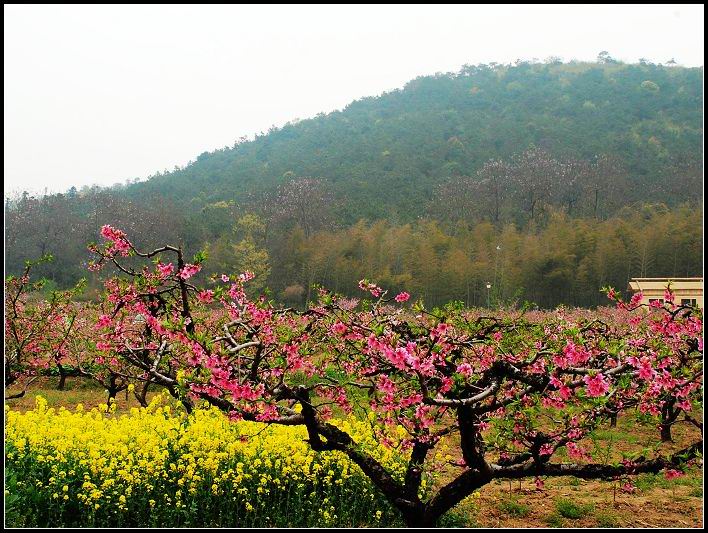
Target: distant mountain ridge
<point x="547" y="181"/>
<point x="383" y="155"/>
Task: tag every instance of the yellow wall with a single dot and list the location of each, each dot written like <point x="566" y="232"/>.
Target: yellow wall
<point x="683" y="288"/>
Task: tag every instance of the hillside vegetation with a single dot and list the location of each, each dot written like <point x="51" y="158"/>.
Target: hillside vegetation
<point x="570" y="169"/>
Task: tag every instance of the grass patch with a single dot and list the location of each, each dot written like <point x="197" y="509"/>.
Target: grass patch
<point x="691" y="479"/>
<point x="606" y="519"/>
<point x="555" y="520"/>
<point x="646" y="482"/>
<point x="615" y="435"/>
<point x="456" y="518"/>
<point x="649" y="481"/>
<point x="569" y="509"/>
<point x="514" y="508"/>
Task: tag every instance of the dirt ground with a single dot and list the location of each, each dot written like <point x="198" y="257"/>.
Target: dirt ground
<point x="600" y="505"/>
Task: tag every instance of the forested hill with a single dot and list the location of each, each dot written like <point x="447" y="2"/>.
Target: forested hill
<point x="383" y="155"/>
<point x="545" y="181"/>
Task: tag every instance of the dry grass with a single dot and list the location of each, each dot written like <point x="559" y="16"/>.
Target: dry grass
<point x="657" y="502"/>
<point x="77" y="391"/>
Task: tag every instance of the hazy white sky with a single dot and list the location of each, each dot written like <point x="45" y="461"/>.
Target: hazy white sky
<point x="98" y="94"/>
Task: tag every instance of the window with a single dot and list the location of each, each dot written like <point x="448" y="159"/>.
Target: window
<point x="660" y="300"/>
<point x="688" y="301"/>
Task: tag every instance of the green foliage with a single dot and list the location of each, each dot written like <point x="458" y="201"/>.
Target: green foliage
<point x="200" y="256"/>
<point x="241" y="250"/>
<point x="383" y="154"/>
<point x="514" y="508"/>
<point x="372" y="207"/>
<point x="13" y="504"/>
<point x="555" y="520"/>
<point x="606" y="519"/>
<point x="569" y="509"/>
<point x="48" y="286"/>
<point x="455" y="518"/>
<point x="650" y="86"/>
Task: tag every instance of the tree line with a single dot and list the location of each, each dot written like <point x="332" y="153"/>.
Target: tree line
<point x="553" y="259"/>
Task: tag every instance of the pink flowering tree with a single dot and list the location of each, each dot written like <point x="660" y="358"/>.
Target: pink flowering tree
<point x="37" y="328"/>
<point x="670" y="396"/>
<point x="145" y="324"/>
<point x="506" y="392"/>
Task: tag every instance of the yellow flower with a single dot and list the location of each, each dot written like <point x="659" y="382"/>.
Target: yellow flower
<point x="115" y="460"/>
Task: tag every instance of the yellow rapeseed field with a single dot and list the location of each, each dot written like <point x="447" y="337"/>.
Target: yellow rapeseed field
<point x="156" y="466"/>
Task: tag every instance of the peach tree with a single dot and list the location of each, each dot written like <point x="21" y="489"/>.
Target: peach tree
<point x="38" y="328"/>
<point x="507" y="393"/>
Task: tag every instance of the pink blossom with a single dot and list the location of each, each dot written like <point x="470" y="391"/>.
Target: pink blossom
<point x="112" y="234"/>
<point x="119" y="239"/>
<point x="386" y="385"/>
<point x="646" y="372"/>
<point x="206" y="296"/>
<point x="672" y="474"/>
<point x="575" y="354"/>
<point x="563" y="390"/>
<point x="189" y="270"/>
<point x="246" y="276"/>
<point x="439" y="330"/>
<point x="546" y="449"/>
<point x="684" y="404"/>
<point x="629" y="488"/>
<point x="165" y="270"/>
<point x="575" y="451"/>
<point x="575" y="433"/>
<point x="636" y="298"/>
<point x="103" y="346"/>
<point x="269" y="412"/>
<point x="402" y="297"/>
<point x="596" y="385"/>
<point x="374" y="289"/>
<point x="422" y="414"/>
<point x="465" y="369"/>
<point x="103" y="321"/>
<point x="339" y="328"/>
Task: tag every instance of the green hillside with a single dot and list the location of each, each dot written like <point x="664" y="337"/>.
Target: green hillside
<point x="546" y="180"/>
<point x="385" y="154"/>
